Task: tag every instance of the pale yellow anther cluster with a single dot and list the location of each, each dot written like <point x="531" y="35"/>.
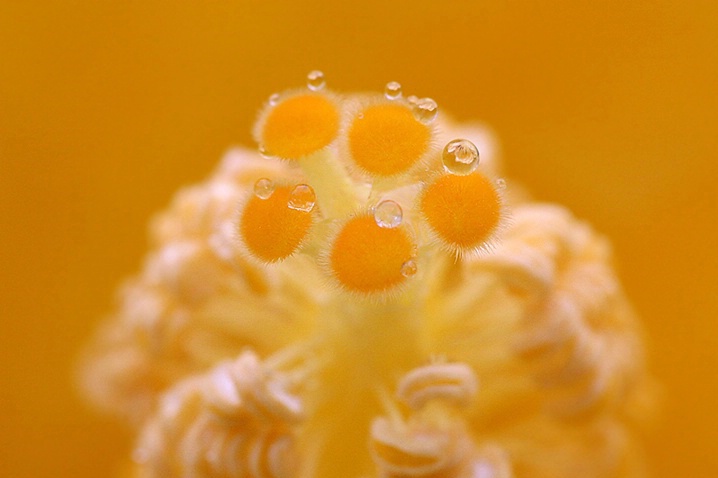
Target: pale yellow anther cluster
<point x="311" y="312"/>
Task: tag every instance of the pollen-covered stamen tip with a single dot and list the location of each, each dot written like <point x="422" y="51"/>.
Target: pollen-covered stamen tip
<point x="463" y="211"/>
<point x="387" y="138"/>
<point x="276" y="220"/>
<point x="373" y="252"/>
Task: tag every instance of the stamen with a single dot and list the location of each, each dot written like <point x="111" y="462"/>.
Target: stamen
<point x="452" y="382"/>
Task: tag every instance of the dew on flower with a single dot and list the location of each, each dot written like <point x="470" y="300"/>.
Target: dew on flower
<point x="409" y="268"/>
<point x="315" y="80"/>
<point x="264" y="152"/>
<point x="460" y="156"/>
<point x="274" y="99"/>
<point x="302" y="198"/>
<point x="263" y="188"/>
<point x="388" y="214"/>
<point x="425" y="110"/>
<point x="392" y="90"/>
<point x="501" y="184"/>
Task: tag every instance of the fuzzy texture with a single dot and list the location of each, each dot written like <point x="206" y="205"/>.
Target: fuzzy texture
<point x="517" y="358"/>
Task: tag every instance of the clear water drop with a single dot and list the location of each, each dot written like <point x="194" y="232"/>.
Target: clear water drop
<point x="263" y="152"/>
<point x="315" y="80"/>
<point x="302" y="198"/>
<point x="409" y="268"/>
<point x="501" y="184"/>
<point x="392" y="90"/>
<point x="263" y="188"/>
<point x="274" y="99"/>
<point x="412" y="99"/>
<point x="388" y="214"/>
<point x="360" y="116"/>
<point x="425" y="110"/>
<point x="460" y="157"/>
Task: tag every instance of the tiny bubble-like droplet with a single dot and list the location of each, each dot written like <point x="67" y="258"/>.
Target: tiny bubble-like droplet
<point x="412" y="99"/>
<point x="360" y="116"/>
<point x="263" y="152"/>
<point x="302" y="198"/>
<point x="460" y="156"/>
<point x="274" y="99"/>
<point x="392" y="91"/>
<point x="263" y="188"/>
<point x="408" y="268"/>
<point x="315" y="80"/>
<point x="388" y="214"/>
<point x="501" y="184"/>
<point x="425" y="110"/>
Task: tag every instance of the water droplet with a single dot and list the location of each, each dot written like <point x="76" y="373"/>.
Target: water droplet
<point x="315" y="80"/>
<point x="412" y="99"/>
<point x="460" y="157"/>
<point x="425" y="110"/>
<point x="360" y="116"/>
<point x="408" y="268"/>
<point x="302" y="198"/>
<point x="263" y="152"/>
<point x="392" y="91"/>
<point x="388" y="214"/>
<point x="274" y="99"/>
<point x="501" y="184"/>
<point x="263" y="188"/>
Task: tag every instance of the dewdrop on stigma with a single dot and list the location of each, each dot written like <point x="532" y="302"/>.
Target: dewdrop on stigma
<point x="460" y="156"/>
<point x="302" y="198"/>
<point x="388" y="214"/>
<point x="263" y="188"/>
<point x="392" y="91"/>
<point x="315" y="80"/>
<point x="372" y="290"/>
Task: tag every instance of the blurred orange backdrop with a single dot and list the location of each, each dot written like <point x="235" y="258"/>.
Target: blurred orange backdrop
<point x="107" y="108"/>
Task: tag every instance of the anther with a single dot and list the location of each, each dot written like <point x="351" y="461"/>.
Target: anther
<point x="452" y="382"/>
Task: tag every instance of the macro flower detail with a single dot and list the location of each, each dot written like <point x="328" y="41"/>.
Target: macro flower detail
<point x="364" y="297"/>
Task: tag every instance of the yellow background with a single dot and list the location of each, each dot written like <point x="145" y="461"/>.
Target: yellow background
<point x="107" y="108"/>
